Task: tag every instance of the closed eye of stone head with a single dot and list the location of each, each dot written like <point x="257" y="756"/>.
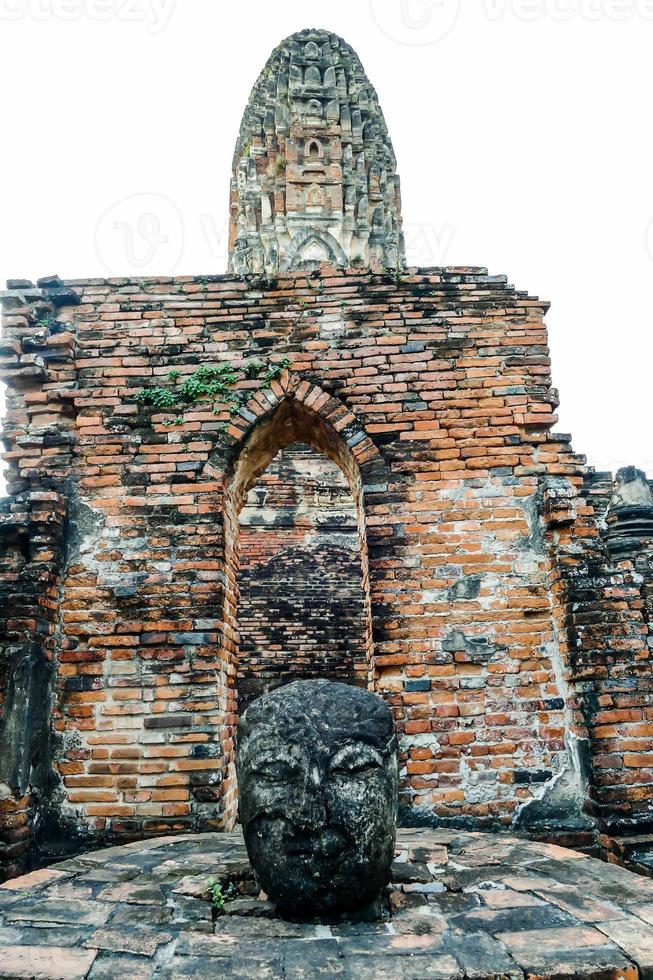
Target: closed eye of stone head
<point x="275" y="770"/>
<point x="356" y="759"/>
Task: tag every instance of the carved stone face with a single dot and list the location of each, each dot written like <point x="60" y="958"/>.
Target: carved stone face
<point x="317" y="777"/>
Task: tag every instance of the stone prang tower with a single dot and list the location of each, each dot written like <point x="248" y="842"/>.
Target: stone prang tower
<point x="314" y="173"/>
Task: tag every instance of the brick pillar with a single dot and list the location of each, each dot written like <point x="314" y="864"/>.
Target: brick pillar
<point x="610" y="618"/>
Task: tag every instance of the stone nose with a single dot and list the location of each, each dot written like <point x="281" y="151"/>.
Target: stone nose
<point x="311" y="813"/>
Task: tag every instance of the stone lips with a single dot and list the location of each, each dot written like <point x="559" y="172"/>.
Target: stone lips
<point x="314" y="172"/>
<point x="317" y="779"/>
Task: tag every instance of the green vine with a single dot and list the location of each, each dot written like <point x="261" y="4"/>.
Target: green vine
<point x="215" y="385"/>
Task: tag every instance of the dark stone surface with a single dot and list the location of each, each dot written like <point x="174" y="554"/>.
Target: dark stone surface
<point x="317" y="775"/>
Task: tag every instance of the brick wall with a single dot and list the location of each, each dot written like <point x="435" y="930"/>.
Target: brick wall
<point x="432" y="393"/>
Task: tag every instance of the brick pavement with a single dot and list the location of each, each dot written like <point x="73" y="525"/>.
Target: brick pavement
<point x="460" y="905"/>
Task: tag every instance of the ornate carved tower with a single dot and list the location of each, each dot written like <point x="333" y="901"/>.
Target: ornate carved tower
<point x="314" y="172"/>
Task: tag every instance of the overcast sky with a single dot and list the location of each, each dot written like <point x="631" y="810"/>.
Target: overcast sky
<point x="522" y="130"/>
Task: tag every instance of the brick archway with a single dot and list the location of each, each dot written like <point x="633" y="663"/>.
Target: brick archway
<point x="291" y="411"/>
<point x="342" y="436"/>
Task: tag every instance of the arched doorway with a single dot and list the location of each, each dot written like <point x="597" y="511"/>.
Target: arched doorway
<point x="310" y="418"/>
<point x="301" y="612"/>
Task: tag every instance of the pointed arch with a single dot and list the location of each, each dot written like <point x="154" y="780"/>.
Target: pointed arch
<point x="302" y="241"/>
<point x="291" y="410"/>
<point x="313" y="151"/>
<point x="341" y="435"/>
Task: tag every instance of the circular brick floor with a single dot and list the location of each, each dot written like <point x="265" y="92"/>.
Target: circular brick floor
<point x="461" y="905"/>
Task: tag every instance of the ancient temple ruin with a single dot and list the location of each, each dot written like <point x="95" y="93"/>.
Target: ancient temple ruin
<point x="187" y="455"/>
<point x="314" y="174"/>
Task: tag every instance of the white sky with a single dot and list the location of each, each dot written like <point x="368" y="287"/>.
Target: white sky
<point x="522" y="130"/>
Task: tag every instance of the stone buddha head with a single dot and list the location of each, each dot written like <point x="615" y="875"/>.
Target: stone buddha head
<point x="318" y="780"/>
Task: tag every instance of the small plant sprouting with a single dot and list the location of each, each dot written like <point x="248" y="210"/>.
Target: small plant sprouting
<point x="274" y="371"/>
<point x="209" y="382"/>
<point x="47" y="322"/>
<point x="157" y="397"/>
<point x="395" y="274"/>
<point x="216" y="895"/>
<point x="173" y="376"/>
<point x="219" y="895"/>
<point x="252" y="369"/>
